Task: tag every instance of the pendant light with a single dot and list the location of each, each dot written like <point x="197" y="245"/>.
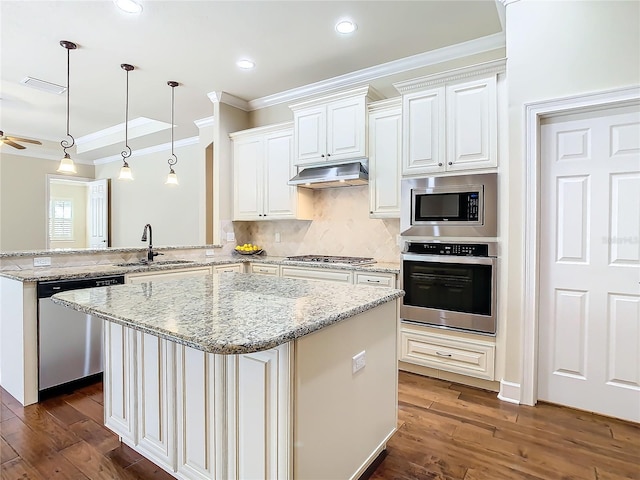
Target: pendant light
<point x="125" y="171"/>
<point x="172" y="179"/>
<point x="66" y="164"/>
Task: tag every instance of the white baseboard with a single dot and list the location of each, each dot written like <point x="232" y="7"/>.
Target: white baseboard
<point x="509" y="392"/>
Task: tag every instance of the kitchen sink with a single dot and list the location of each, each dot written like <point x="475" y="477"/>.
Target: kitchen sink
<point x="149" y="264"/>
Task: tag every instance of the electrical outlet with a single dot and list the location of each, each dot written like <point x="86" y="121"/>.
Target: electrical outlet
<point x="277" y="237"/>
<point x="42" y="261"/>
<point x="231" y="237"/>
<point x="359" y="361"/>
<point x="208" y="253"/>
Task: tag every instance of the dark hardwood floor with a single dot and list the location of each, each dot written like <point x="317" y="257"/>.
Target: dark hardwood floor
<point x="445" y="431"/>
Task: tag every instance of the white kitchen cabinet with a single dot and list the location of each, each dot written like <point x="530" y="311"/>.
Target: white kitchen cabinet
<point x="119" y="381"/>
<point x="230" y="267"/>
<point x="167" y="274"/>
<point x="332" y="128"/>
<point x="262" y="168"/>
<point x="385" y="155"/>
<point x="447" y="351"/>
<point x="377" y="279"/>
<point x="450" y="120"/>
<point x="155" y="358"/>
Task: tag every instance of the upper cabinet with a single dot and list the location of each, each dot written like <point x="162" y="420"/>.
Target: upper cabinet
<point x="450" y="120"/>
<point x="332" y="128"/>
<point x="262" y="167"/>
<point x="385" y="151"/>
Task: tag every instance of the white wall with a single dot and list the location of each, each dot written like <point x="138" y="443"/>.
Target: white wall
<point x="23" y="201"/>
<point x="556" y="49"/>
<point x="174" y="212"/>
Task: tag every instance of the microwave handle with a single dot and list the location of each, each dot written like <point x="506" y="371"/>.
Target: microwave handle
<point x="449" y="259"/>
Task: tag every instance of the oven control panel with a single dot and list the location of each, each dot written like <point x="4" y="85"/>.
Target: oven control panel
<point x="457" y="249"/>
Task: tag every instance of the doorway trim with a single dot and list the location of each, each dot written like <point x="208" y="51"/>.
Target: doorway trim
<point x="47" y="194"/>
<point x="534" y="112"/>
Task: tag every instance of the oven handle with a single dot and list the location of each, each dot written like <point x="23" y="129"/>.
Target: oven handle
<point x="449" y="259"/>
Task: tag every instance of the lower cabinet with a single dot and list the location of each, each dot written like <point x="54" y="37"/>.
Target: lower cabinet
<point x="344" y="276"/>
<point x="420" y="346"/>
<point x="231" y="267"/>
<point x="199" y="415"/>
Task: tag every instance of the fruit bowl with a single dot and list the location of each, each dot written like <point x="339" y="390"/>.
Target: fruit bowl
<point x="255" y="252"/>
<point x="248" y="249"/>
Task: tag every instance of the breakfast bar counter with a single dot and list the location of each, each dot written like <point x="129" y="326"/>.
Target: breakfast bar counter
<point x="241" y="376"/>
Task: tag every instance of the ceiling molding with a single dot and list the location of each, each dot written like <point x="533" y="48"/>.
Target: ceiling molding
<point x="138" y="127"/>
<point x="153" y="149"/>
<point x="486" y="68"/>
<point x="502" y="13"/>
<point x="452" y="52"/>
<point x="508" y="2"/>
<point x="224" y="97"/>
<point x="42" y="153"/>
<point x="205" y="122"/>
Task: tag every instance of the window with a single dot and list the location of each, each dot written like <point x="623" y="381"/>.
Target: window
<point x="61" y="219"/>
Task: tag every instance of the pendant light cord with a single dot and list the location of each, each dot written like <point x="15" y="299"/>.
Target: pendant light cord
<point x="65" y="143"/>
<point x="173" y="159"/>
<point x="126" y="153"/>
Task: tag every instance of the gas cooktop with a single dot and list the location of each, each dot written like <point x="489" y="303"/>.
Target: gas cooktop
<point x="332" y="259"/>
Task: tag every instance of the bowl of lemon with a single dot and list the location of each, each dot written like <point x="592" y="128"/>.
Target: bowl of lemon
<point x="248" y="249"/>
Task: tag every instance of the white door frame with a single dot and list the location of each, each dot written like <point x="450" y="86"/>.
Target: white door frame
<point x="533" y="114"/>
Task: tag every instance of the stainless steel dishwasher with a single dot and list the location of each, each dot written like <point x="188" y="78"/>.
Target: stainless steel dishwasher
<point x="69" y="342"/>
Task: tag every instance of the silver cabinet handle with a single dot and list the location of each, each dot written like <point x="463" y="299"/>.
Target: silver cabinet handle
<point x="444" y="354"/>
<point x="440" y="164"/>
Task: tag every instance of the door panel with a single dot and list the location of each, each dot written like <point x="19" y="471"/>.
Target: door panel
<point x="98" y="214"/>
<point x="589" y="337"/>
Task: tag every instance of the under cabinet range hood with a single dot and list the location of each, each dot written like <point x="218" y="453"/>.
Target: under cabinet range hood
<point x="335" y="175"/>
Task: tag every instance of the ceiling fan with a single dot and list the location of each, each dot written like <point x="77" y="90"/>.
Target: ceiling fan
<point x="12" y="141"/>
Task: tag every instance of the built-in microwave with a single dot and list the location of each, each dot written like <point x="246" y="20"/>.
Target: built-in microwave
<point x="453" y="206"/>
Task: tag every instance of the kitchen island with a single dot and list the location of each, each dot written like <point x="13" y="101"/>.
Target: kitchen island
<point x="245" y="376"/>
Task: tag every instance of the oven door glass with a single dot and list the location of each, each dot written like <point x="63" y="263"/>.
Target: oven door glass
<point x="464" y="288"/>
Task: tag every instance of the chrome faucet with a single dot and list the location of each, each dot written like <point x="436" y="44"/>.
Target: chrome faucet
<point x="150" y="252"/>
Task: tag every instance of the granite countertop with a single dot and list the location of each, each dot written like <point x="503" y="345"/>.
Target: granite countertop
<point x="80" y="251"/>
<point x="42" y="274"/>
<point x="230" y="313"/>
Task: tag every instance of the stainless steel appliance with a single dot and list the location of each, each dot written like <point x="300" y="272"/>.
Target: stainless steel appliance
<point x="454" y="206"/>
<point x="451" y="285"/>
<point x="331" y="175"/>
<point x="69" y="342"/>
<point x="332" y="259"/>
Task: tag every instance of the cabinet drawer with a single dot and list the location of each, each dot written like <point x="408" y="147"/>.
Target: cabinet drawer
<point x="376" y="279"/>
<point x="317" y="274"/>
<point x="462" y="356"/>
<point x="262" y="269"/>
<point x="167" y="275"/>
<point x="232" y="267"/>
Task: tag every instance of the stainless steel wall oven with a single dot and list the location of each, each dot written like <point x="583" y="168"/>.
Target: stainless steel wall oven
<point x="450" y="285"/>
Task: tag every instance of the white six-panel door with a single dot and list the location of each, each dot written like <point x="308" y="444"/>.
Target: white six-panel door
<point x="589" y="324"/>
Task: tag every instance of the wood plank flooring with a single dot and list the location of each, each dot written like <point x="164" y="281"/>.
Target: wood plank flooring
<point x="445" y="431"/>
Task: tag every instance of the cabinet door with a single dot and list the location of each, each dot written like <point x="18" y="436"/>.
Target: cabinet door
<point x="280" y="197"/>
<point x="472" y="125"/>
<point x="231" y="267"/>
<point x="247" y="179"/>
<point x="346" y="132"/>
<point x="311" y="135"/>
<point x="423" y="131"/>
<point x="343" y="276"/>
<point x="385" y="150"/>
<point x="156" y="399"/>
<point x="120" y="381"/>
<point x="196" y="414"/>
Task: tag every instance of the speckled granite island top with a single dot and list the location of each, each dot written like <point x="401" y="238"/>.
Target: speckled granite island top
<point x="230" y="313"/>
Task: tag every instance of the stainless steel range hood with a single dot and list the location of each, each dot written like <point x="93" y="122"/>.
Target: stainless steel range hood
<point x="349" y="174"/>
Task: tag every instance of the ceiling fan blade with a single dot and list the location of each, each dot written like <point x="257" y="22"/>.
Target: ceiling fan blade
<point x="18" y="139"/>
<point x="13" y="144"/>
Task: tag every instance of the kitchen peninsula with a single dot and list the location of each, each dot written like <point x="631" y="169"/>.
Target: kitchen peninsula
<point x="246" y="376"/>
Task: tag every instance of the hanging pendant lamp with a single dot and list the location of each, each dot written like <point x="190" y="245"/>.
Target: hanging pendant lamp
<point x="125" y="171"/>
<point x="172" y="179"/>
<point x="66" y="164"/>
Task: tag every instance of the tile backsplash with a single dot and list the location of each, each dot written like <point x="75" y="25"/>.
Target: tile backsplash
<point x="340" y="226"/>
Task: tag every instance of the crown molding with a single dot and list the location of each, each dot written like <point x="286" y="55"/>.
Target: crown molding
<point x="361" y="91"/>
<point x="148" y="150"/>
<point x="507" y="2"/>
<point x="138" y="127"/>
<point x="486" y="68"/>
<point x="277" y="127"/>
<point x="205" y="122"/>
<point x="395" y="102"/>
<point x="452" y="52"/>
<point x="43" y="154"/>
<point x="224" y="97"/>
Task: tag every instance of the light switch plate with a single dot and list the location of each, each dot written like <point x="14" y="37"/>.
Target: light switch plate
<point x="359" y="361"/>
<point x="42" y="261"/>
<point x="277" y="239"/>
<point x="209" y="253"/>
<point x="231" y="237"/>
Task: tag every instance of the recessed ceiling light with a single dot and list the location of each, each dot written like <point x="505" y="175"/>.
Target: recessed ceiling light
<point x="346" y="26"/>
<point x="129" y="6"/>
<point x="245" y="64"/>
